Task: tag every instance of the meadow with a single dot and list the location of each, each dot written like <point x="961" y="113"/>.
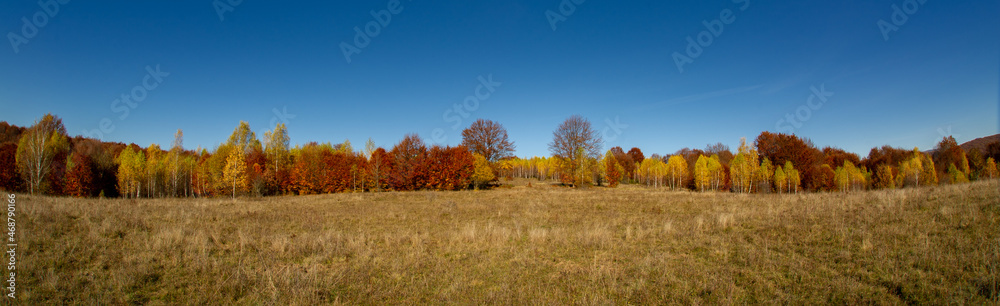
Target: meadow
<point x="517" y="245"/>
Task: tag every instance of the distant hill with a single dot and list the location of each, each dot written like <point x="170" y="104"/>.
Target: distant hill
<point x="980" y="143"/>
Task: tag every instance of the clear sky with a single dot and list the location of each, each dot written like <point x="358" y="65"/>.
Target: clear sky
<point x="901" y="77"/>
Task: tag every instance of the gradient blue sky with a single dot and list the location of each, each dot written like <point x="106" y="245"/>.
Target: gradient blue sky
<point x="939" y="73"/>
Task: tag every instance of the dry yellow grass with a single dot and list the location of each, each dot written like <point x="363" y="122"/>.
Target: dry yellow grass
<point x="517" y="245"/>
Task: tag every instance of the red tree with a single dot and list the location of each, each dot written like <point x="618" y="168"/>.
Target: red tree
<point x="408" y="159"/>
<point x="489" y="139"/>
<point x="948" y="153"/>
<point x="625" y="160"/>
<point x="379" y="166"/>
<point x="449" y="168"/>
<point x="79" y="178"/>
<point x="10" y="179"/>
<point x="306" y="176"/>
<point x="801" y="152"/>
<point x="835" y="157"/>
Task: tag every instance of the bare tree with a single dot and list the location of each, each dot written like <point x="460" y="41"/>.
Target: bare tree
<point x="574" y="142"/>
<point x="489" y="139"/>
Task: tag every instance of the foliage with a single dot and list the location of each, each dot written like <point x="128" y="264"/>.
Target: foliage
<point x="131" y="167"/>
<point x="10" y="178"/>
<point x="449" y="168"/>
<point x="745" y="168"/>
<point x="851" y="178"/>
<point x="991" y="169"/>
<point x="79" y="179"/>
<point x="489" y="139"/>
<point x="884" y="178"/>
<point x="948" y="153"/>
<point x="482" y="172"/>
<point x="677" y="171"/>
<point x="956" y="176"/>
<point x="408" y="157"/>
<point x="235" y="173"/>
<point x="38" y="153"/>
<point x="613" y="170"/>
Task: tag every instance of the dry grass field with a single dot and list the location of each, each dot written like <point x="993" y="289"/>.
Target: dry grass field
<point x="519" y="245"/>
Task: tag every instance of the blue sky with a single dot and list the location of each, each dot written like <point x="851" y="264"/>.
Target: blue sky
<point x="614" y="63"/>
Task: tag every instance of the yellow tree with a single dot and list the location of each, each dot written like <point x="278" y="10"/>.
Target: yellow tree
<point x="910" y="171"/>
<point x="744" y="167"/>
<point x="131" y="170"/>
<point x="842" y="176"/>
<point x="652" y="171"/>
<point x="701" y="175"/>
<point x="991" y="169"/>
<point x="154" y="169"/>
<point x="884" y="178"/>
<point x="677" y="171"/>
<point x="793" y="177"/>
<point x="765" y="174"/>
<point x="585" y="169"/>
<point x="780" y="180"/>
<point x="716" y="173"/>
<point x="956" y="176"/>
<point x="482" y="173"/>
<point x="929" y="175"/>
<point x="124" y="175"/>
<point x="235" y="173"/>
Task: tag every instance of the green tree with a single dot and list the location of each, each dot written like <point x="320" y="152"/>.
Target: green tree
<point x="956" y="176"/>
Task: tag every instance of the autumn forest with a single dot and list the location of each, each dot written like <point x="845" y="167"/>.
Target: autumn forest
<point x="43" y="159"/>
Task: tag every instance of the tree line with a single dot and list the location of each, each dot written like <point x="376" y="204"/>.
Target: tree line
<point x="43" y="159"/>
<point x="773" y="162"/>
